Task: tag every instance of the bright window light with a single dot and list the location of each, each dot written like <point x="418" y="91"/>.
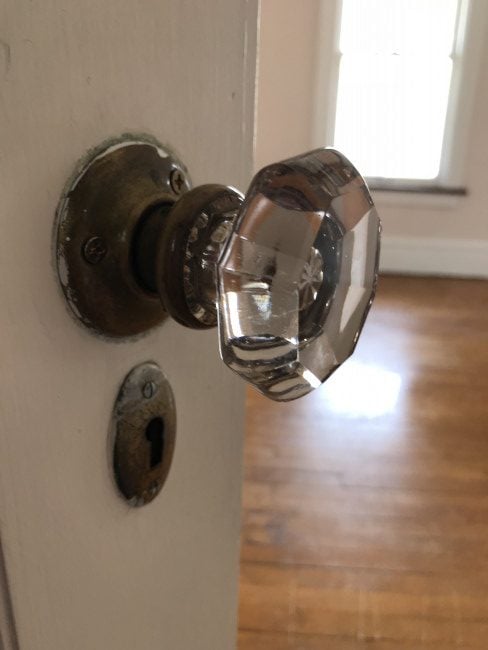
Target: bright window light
<point x="396" y="64"/>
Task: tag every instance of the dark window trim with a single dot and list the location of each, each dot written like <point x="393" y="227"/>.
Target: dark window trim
<point x="382" y="185"/>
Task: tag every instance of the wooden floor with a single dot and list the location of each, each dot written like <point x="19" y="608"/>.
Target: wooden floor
<point x="366" y="503"/>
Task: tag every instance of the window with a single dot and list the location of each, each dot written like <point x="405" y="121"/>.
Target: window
<point x="398" y="65"/>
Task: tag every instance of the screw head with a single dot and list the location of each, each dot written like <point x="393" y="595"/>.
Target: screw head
<point x="94" y="250"/>
<point x="177" y="180"/>
<point x="149" y="389"/>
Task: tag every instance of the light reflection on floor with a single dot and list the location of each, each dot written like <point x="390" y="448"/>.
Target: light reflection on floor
<point x="359" y="389"/>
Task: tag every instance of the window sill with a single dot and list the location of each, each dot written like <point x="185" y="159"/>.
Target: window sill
<point x="414" y="195"/>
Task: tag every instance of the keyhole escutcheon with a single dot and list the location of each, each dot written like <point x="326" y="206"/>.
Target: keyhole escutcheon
<point x="143" y="433"/>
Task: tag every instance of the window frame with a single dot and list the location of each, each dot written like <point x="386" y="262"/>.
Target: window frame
<point x="466" y="57"/>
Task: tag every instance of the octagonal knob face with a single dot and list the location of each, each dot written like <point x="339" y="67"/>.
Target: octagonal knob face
<point x="298" y="274"/>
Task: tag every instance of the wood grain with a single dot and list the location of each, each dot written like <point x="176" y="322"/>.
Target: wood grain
<point x="366" y="503"/>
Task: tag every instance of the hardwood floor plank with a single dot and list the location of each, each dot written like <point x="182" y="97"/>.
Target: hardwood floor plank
<point x="251" y="640"/>
<point x="396" y="606"/>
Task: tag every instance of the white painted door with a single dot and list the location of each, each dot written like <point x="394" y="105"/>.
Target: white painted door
<point x="81" y="570"/>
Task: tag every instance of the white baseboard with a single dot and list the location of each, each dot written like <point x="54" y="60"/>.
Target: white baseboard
<point x="414" y="255"/>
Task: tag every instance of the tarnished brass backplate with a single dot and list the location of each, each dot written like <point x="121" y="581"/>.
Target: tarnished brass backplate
<point x="143" y="433"/>
<point x="113" y="188"/>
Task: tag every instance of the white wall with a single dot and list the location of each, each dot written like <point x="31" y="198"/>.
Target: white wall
<point x="286" y="76"/>
<point x="422" y="234"/>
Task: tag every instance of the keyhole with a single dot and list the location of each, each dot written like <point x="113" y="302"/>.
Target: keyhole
<point x="155" y="435"/>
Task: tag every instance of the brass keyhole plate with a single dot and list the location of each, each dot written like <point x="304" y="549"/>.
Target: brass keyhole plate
<point x="105" y="200"/>
<point x="142" y="434"/>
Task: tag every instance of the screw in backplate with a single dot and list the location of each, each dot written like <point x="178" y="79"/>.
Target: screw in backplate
<point x="177" y="180"/>
<point x="94" y="250"/>
<point x="149" y="389"/>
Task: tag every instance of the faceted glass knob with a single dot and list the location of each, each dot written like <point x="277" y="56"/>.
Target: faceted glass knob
<point x="298" y="273"/>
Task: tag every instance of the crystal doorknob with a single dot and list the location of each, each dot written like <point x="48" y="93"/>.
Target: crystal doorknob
<point x="288" y="273"/>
